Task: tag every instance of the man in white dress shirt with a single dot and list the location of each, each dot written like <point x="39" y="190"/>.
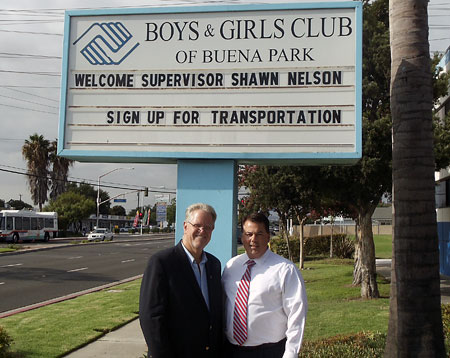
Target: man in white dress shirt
<point x="271" y="324"/>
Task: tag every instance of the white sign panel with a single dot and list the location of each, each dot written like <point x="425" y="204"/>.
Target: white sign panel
<point x="252" y="83"/>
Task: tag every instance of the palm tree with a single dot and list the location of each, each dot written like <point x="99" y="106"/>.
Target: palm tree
<point x="60" y="171"/>
<point x="35" y="152"/>
<point x="415" y="322"/>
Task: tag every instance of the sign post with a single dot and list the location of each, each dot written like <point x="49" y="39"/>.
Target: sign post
<point x="211" y="87"/>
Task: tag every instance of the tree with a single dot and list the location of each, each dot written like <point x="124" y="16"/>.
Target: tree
<point x="118" y="210"/>
<point x="60" y="171"/>
<point x="2" y="203"/>
<point x="71" y="208"/>
<point x="19" y="204"/>
<point x="36" y="152"/>
<point x="90" y="192"/>
<point x="171" y="212"/>
<point x="415" y="322"/>
<point x="291" y="191"/>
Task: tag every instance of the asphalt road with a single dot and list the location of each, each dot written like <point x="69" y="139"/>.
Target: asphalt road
<point x="36" y="276"/>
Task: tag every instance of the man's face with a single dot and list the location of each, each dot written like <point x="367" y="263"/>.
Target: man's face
<point x="255" y="239"/>
<point x="198" y="230"/>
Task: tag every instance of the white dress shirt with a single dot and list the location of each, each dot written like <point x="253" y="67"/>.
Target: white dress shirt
<point x="277" y="302"/>
<point x="200" y="273"/>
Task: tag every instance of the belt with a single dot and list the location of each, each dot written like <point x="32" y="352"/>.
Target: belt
<point x="252" y="348"/>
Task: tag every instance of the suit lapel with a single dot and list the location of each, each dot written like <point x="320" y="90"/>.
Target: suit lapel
<point x="191" y="281"/>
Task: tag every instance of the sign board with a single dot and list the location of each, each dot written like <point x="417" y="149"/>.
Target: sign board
<point x="165" y="198"/>
<point x="120" y="200"/>
<point x="161" y="212"/>
<point x="254" y="83"/>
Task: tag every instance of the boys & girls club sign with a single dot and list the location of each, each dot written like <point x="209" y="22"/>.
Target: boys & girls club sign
<point x="253" y="83"/>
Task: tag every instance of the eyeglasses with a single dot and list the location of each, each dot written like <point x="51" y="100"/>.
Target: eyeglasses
<point x="204" y="228"/>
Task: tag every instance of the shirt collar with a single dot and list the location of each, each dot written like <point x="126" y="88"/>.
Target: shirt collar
<point x="259" y="260"/>
<point x="191" y="258"/>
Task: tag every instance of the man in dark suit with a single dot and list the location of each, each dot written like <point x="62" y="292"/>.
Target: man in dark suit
<point x="180" y="308"/>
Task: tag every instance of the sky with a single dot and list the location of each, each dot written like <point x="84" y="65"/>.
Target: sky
<point x="31" y="38"/>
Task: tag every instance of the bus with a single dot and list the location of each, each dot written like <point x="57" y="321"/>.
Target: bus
<point x="18" y="225"/>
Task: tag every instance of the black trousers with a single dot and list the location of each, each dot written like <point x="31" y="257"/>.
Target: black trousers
<point x="268" y="350"/>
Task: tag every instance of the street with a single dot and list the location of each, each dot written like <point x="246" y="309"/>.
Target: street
<point x="36" y="276"/>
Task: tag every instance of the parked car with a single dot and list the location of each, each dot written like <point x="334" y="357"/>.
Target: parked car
<point x="100" y="234"/>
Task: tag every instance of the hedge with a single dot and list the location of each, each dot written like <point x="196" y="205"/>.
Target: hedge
<point x="343" y="246"/>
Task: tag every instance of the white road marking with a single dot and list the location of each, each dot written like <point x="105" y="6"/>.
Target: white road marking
<point x="2" y="283"/>
<point x="74" y="257"/>
<point x="11" y="265"/>
<point x="130" y="260"/>
<point x="78" y="269"/>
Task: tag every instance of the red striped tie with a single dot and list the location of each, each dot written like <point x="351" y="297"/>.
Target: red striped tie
<point x="240" y="306"/>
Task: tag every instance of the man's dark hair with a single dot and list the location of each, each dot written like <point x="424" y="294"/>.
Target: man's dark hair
<point x="256" y="218"/>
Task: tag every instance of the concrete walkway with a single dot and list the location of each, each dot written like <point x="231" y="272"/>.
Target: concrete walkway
<point x="127" y="341"/>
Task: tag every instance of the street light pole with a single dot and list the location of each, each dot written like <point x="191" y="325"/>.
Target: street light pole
<point x="98" y="190"/>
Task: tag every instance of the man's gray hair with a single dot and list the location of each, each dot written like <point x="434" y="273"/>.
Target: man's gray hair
<point x="200" y="206"/>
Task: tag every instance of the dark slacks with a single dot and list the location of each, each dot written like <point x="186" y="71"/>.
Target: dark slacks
<point x="269" y="350"/>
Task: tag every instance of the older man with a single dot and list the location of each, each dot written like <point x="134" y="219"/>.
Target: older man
<point x="180" y="308"/>
<point x="265" y="298"/>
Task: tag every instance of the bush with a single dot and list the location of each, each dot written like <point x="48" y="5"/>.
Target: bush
<point x="155" y="230"/>
<point x="446" y="324"/>
<point x="359" y="345"/>
<point x="343" y="246"/>
<point x="116" y="230"/>
<point x="5" y="343"/>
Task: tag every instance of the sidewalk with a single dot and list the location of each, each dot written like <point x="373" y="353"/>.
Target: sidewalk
<point x="129" y="342"/>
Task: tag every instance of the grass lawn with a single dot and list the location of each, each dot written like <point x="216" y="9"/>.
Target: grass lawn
<point x="334" y="308"/>
<point x="383" y="246"/>
<point x="59" y="328"/>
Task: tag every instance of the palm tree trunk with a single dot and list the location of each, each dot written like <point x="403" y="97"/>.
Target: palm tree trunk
<point x="357" y="275"/>
<point x="369" y="286"/>
<point x="415" y="323"/>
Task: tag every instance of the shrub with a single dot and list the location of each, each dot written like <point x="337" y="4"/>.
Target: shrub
<point x="116" y="230"/>
<point x="155" y="230"/>
<point x="5" y="343"/>
<point x="446" y="324"/>
<point x="359" y="345"/>
<point x="343" y="246"/>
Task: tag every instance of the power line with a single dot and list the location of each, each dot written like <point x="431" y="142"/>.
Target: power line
<point x="55" y="74"/>
<point x="28" y="109"/>
<point x="18" y="55"/>
<point x="31" y="94"/>
<point x="88" y="181"/>
<point x="33" y="32"/>
<point x="23" y="100"/>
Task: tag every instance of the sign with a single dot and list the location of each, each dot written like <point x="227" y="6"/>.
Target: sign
<point x="161" y="212"/>
<point x="254" y="83"/>
<point x="162" y="198"/>
<point x="120" y="200"/>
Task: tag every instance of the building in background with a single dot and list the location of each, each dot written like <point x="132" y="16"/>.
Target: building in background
<point x="443" y="186"/>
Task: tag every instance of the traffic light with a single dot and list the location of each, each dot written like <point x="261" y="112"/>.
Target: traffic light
<point x="146" y="192"/>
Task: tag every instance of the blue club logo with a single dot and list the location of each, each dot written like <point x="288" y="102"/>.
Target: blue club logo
<point x="106" y="43"/>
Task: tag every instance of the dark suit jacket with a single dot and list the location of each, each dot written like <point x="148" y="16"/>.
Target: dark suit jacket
<point x="173" y="314"/>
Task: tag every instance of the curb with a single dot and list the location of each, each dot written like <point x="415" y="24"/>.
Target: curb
<point x="19" y="252"/>
<point x="67" y="297"/>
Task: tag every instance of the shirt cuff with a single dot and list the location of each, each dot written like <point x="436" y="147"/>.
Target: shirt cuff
<point x="290" y="354"/>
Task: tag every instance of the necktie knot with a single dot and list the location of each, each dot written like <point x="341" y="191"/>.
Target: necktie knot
<point x="250" y="263"/>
